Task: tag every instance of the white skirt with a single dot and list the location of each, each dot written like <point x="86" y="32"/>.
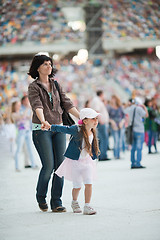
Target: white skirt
<point x="78" y="171"/>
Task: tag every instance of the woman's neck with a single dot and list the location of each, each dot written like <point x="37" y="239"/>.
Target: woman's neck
<point x="44" y="79"/>
<point x="114" y="106"/>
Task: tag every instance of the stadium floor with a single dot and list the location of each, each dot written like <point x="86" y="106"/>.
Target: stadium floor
<point x="127" y="203"/>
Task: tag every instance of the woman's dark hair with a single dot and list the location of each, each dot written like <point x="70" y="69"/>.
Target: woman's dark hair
<point x="36" y="62"/>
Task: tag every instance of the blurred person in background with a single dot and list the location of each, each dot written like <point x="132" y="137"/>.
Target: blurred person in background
<point x="87" y="103"/>
<point x="151" y="126"/>
<point x="138" y="130"/>
<point x="117" y="122"/>
<point x="2" y="126"/>
<point x="10" y="132"/>
<point x="25" y="105"/>
<point x="97" y="103"/>
<point x="46" y="105"/>
<point x="22" y="117"/>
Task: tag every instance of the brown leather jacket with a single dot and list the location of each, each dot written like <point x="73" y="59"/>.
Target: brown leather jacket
<point x="39" y="98"/>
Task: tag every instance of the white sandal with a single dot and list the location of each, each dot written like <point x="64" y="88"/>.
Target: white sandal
<point x="88" y="210"/>
<point x="75" y="206"/>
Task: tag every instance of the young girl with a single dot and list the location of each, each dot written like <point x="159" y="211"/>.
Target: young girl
<point x="78" y="165"/>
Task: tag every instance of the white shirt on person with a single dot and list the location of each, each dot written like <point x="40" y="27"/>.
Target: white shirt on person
<point x="98" y="105"/>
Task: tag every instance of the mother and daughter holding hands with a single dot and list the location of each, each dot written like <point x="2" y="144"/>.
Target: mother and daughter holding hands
<point x="50" y="141"/>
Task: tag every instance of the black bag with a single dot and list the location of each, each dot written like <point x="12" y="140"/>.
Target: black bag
<point x="129" y="130"/>
<point x="66" y="118"/>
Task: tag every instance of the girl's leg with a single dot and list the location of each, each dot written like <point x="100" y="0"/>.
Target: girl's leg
<point x="88" y="193"/>
<point x="75" y="206"/>
<point x="88" y="210"/>
<point x="75" y="193"/>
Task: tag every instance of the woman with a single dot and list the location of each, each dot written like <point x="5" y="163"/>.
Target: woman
<point x="45" y="102"/>
<point x="22" y="117"/>
<point x="117" y="120"/>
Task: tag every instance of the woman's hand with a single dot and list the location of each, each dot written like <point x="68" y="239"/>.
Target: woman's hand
<point x="121" y="124"/>
<point x="113" y="125"/>
<point x="45" y="125"/>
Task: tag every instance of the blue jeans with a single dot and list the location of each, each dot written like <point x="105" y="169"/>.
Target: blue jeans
<point x="50" y="147"/>
<point x="103" y="140"/>
<point x="117" y="136"/>
<point x="137" y="145"/>
<point x="24" y="136"/>
<point x="123" y="139"/>
<point x="152" y="135"/>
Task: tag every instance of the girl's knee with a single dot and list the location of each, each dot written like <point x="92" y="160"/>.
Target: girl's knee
<point x="76" y="189"/>
<point x="88" y="185"/>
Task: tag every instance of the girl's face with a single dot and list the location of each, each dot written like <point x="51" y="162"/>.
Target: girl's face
<point x="45" y="68"/>
<point x="91" y="122"/>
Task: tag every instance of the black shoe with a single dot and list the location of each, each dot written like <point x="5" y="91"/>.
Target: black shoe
<point x="43" y="207"/>
<point x="150" y="152"/>
<point x="59" y="209"/>
<point x="135" y="167"/>
<point x="105" y="159"/>
<point x="28" y="166"/>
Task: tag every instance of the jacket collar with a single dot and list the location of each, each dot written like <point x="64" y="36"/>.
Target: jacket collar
<point x="51" y="80"/>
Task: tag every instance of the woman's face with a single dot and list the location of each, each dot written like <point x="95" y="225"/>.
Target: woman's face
<point x="45" y="68"/>
<point x="113" y="101"/>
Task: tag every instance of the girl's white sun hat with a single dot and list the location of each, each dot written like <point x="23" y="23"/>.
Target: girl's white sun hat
<point x="88" y="113"/>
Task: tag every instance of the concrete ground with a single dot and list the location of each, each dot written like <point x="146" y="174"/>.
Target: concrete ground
<point x="127" y="203"/>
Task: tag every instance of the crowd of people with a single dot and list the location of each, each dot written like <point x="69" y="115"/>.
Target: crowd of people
<point x="135" y="72"/>
<point x="16" y="125"/>
<point x="128" y="72"/>
<point x="37" y="21"/>
<point x="139" y="22"/>
<point x="44" y="21"/>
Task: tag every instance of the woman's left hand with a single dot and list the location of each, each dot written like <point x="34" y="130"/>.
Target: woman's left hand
<point x="121" y="124"/>
<point x="45" y="125"/>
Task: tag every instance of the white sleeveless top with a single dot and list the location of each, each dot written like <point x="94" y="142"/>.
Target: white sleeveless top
<point x="84" y="153"/>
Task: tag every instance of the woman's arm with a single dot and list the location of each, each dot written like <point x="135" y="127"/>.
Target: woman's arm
<point x="40" y="115"/>
<point x="74" y="112"/>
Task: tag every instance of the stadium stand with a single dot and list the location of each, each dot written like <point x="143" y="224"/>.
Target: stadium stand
<point x="134" y="24"/>
<point x="43" y="26"/>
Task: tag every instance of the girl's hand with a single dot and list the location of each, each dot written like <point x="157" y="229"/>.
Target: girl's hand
<point x="45" y="125"/>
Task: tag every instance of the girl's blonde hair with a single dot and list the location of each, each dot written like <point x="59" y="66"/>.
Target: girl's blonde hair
<point x="88" y="146"/>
